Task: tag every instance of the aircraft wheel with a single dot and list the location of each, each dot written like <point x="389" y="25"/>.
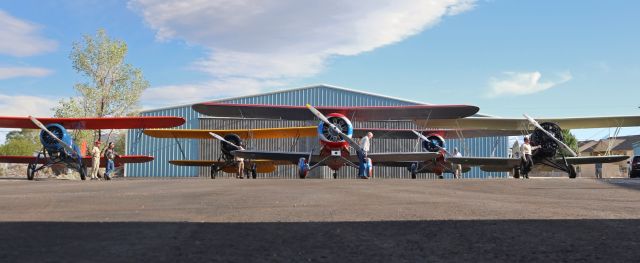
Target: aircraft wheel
<point x="413" y="169"/>
<point x="31" y="171"/>
<point x="303" y="168"/>
<point x="214" y="171"/>
<point x="516" y="172"/>
<point x="83" y="172"/>
<point x="572" y="172"/>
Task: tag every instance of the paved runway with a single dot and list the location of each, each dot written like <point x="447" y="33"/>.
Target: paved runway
<point x="320" y="220"/>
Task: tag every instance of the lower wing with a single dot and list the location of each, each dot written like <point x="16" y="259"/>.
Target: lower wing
<point x="86" y="160"/>
<point x="262" y="166"/>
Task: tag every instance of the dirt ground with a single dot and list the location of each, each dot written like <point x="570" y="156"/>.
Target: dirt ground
<point x="229" y="220"/>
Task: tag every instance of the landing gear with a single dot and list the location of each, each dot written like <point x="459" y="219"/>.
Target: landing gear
<point x="303" y="168"/>
<point x="414" y="170"/>
<point x="572" y="171"/>
<point x="214" y="171"/>
<point x="31" y="171"/>
<point x="254" y="171"/>
<point x="83" y="172"/>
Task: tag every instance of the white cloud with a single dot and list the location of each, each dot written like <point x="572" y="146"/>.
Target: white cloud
<point x="277" y="40"/>
<point x="521" y="83"/>
<point x="190" y="93"/>
<point x="15" y="72"/>
<point x="20" y="38"/>
<point x="22" y="105"/>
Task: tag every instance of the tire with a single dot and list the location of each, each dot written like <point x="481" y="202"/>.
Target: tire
<point x="213" y="171"/>
<point x="30" y="173"/>
<point x="516" y="172"/>
<point x="83" y="172"/>
<point x="335" y="175"/>
<point x="572" y="172"/>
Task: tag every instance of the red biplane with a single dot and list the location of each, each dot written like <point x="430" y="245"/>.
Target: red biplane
<point x="58" y="147"/>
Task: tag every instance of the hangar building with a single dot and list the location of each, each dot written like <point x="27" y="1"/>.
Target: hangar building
<point x="165" y="150"/>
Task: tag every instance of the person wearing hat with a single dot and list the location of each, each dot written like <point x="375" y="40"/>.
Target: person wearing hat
<point x="95" y="158"/>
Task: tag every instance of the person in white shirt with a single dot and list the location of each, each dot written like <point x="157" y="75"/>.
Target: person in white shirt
<point x="527" y="162"/>
<point x="365" y="144"/>
<point x="95" y="160"/>
<point x="240" y="162"/>
<point x="457" y="168"/>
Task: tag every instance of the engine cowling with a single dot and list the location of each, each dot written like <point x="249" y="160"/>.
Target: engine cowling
<point x="329" y="137"/>
<point x="228" y="148"/>
<point x="433" y="143"/>
<point x="51" y="144"/>
<point x="549" y="147"/>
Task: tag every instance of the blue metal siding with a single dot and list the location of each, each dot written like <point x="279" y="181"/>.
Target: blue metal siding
<point x="636" y="148"/>
<point x="164" y="150"/>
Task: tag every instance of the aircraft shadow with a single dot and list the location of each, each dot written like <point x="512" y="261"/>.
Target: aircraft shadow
<point x="377" y="241"/>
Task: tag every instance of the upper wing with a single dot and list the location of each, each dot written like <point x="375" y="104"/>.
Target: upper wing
<point x="86" y="160"/>
<point x="266" y="133"/>
<point x="360" y="113"/>
<point x="142" y="122"/>
<point x="595" y="159"/>
<point x="522" y="124"/>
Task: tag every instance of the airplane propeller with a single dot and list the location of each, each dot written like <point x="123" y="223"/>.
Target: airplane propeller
<point x="537" y="125"/>
<point x="333" y="127"/>
<point x="222" y="139"/>
<point x="421" y="136"/>
<point x="44" y="128"/>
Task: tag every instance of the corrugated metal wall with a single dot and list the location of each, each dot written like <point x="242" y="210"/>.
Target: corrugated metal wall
<point x="164" y="150"/>
<point x="322" y="95"/>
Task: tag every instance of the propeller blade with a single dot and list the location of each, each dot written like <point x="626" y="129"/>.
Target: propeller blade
<point x="44" y="128"/>
<point x="222" y="139"/>
<point x="324" y="119"/>
<point x="537" y="125"/>
<point x="421" y="136"/>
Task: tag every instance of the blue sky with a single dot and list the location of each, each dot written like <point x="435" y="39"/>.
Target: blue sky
<point x="543" y="58"/>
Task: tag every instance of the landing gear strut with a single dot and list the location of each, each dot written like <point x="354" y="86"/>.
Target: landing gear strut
<point x="214" y="171"/>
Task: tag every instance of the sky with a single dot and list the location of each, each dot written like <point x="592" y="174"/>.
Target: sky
<point x="543" y="58"/>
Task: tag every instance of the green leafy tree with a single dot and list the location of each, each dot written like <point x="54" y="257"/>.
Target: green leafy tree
<point x="112" y="87"/>
<point x="23" y="142"/>
<point x="570" y="140"/>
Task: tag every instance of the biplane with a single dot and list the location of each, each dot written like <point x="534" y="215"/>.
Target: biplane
<point x="552" y="152"/>
<point x="334" y="131"/>
<point x="58" y="147"/>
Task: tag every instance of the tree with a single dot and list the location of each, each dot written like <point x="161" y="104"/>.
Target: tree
<point x="23" y="142"/>
<point x="112" y="87"/>
<point x="570" y="140"/>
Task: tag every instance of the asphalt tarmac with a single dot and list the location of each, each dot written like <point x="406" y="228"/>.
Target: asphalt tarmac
<point x="228" y="220"/>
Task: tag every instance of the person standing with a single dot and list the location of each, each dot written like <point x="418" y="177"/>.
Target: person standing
<point x="111" y="154"/>
<point x="599" y="169"/>
<point x="365" y="144"/>
<point x="457" y="168"/>
<point x="95" y="160"/>
<point x="527" y="162"/>
<point x="240" y="162"/>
